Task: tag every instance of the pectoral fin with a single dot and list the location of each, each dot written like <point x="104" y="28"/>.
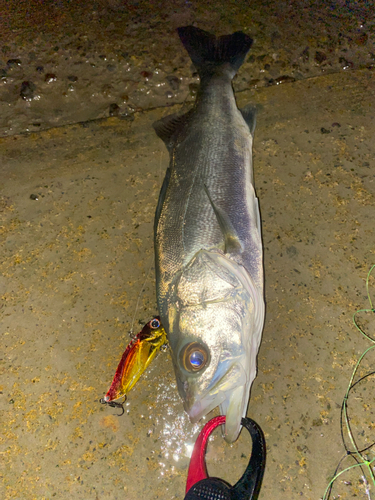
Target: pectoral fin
<point x="231" y="239"/>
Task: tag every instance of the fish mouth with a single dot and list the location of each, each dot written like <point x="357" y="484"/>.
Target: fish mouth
<point x="231" y="393"/>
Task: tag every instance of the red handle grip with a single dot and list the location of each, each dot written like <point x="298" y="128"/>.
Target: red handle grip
<point x="197" y="466"/>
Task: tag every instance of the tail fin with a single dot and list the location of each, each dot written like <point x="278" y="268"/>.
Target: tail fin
<point x="208" y="52"/>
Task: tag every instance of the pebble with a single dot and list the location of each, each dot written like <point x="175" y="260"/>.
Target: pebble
<point x="193" y="88"/>
<point x="72" y="78"/>
<point x="27" y="90"/>
<point x="13" y="63"/>
<point x="107" y="89"/>
<point x="114" y="109"/>
<point x="50" y="77"/>
<point x="34" y="197"/>
<point x="281" y="79"/>
<point x="284" y="79"/>
<point x="40" y="69"/>
<point x="146" y="75"/>
<point x="325" y="131"/>
<point x="362" y="39"/>
<point x="174" y="82"/>
<point x="305" y="55"/>
<point x="345" y="64"/>
<point x="320" y="57"/>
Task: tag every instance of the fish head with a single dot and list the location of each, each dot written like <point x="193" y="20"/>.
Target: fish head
<point x="215" y="319"/>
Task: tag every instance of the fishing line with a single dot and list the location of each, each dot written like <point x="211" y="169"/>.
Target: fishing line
<point x="131" y="332"/>
<point x="355" y="453"/>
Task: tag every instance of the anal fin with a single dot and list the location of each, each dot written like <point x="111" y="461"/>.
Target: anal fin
<point x="249" y="113"/>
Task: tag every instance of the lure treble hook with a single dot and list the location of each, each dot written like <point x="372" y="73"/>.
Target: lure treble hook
<point x="114" y="404"/>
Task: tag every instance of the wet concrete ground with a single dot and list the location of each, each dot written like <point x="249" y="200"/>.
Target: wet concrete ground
<point x="63" y="62"/>
<point x="74" y="261"/>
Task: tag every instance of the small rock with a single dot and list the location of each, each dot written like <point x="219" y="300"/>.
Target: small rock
<point x="320" y="57"/>
<point x="107" y="89"/>
<point x="111" y="67"/>
<point x="27" y="90"/>
<point x="174" y="82"/>
<point x="336" y="124"/>
<point x="254" y="82"/>
<point x="72" y="78"/>
<point x="147" y="75"/>
<point x="305" y="55"/>
<point x="345" y="64"/>
<point x="284" y="79"/>
<point x="13" y="63"/>
<point x="169" y="94"/>
<point x="325" y="131"/>
<point x="114" y="109"/>
<point x="193" y="88"/>
<point x="34" y="197"/>
<point x="362" y="39"/>
<point x="40" y="69"/>
<point x="50" y="77"/>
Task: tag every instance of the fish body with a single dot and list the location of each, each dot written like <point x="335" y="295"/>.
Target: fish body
<point x="208" y="248"/>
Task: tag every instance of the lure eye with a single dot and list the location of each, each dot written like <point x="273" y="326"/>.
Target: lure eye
<point x="194" y="357"/>
<point x="154" y="323"/>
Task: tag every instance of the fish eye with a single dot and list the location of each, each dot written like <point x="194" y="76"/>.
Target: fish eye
<point x="194" y="357"/>
<point x="154" y="323"/>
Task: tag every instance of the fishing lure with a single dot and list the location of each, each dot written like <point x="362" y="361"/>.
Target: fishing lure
<point x="137" y="356"/>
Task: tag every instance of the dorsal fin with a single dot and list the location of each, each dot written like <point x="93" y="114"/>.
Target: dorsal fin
<point x="231" y="239"/>
<point x="168" y="127"/>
